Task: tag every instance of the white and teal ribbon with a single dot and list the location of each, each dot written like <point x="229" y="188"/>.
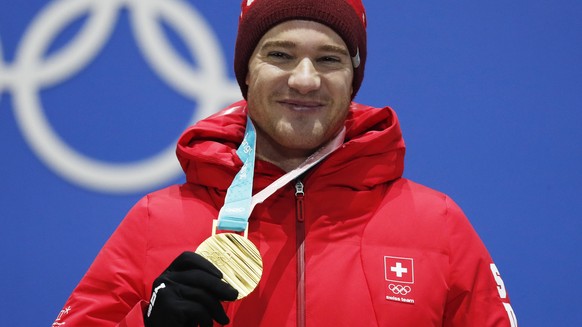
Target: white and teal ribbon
<point x="235" y="213"/>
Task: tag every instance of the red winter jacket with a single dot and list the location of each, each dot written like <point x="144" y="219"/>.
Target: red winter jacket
<point x="361" y="246"/>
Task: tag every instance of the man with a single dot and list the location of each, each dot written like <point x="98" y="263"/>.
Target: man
<point x="347" y="242"/>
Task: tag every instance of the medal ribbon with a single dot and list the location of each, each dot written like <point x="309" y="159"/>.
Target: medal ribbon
<point x="239" y="202"/>
<point x="236" y="211"/>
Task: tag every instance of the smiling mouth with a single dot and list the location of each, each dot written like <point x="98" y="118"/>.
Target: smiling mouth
<point x="301" y="105"/>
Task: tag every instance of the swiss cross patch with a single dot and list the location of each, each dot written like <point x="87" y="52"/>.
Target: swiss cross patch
<point x="399" y="274"/>
<point x="400" y="270"/>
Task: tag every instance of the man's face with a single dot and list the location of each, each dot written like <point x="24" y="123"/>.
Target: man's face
<point x="300" y="86"/>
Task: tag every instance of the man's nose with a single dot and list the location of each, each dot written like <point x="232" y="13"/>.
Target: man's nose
<point x="304" y="77"/>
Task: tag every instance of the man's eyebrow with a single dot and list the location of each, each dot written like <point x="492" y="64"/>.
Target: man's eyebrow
<point x="278" y="44"/>
<point x="335" y="48"/>
<point x="291" y="45"/>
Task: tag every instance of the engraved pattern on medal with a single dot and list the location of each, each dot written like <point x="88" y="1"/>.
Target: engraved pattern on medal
<point x="220" y="259"/>
<point x="237" y="258"/>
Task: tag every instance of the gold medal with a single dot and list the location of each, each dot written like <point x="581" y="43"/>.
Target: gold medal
<point x="237" y="258"/>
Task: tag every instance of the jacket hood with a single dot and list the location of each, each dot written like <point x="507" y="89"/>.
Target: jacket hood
<point x="373" y="151"/>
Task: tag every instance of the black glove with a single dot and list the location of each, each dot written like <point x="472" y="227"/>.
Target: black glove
<point x="188" y="294"/>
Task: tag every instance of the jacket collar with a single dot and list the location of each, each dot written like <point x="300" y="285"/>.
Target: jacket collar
<point x="373" y="151"/>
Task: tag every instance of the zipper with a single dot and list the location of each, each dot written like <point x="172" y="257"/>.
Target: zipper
<point x="300" y="241"/>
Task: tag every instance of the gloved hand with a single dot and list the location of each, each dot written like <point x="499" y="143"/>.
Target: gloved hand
<point x="188" y="294"/>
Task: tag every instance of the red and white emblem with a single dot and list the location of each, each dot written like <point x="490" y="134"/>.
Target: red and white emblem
<point x="399" y="273"/>
<point x="399" y="270"/>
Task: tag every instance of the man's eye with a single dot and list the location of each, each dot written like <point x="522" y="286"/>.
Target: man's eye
<point x="330" y="59"/>
<point x="278" y="55"/>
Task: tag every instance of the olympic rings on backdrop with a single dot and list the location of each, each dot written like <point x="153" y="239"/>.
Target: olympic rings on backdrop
<point x="208" y="84"/>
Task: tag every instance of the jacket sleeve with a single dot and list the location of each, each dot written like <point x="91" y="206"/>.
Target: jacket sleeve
<point x="477" y="295"/>
<point x="113" y="292"/>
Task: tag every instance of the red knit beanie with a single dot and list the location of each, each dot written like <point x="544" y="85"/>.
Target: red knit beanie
<point x="346" y="17"/>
